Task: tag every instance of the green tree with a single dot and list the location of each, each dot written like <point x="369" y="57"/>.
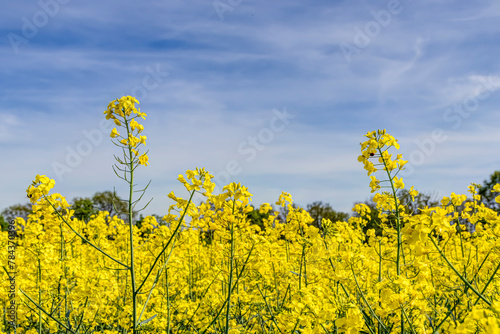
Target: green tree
<point x="257" y="218"/>
<point x="3" y="224"/>
<point x="283" y="213"/>
<point x="17" y="210"/>
<point x="319" y="210"/>
<point x="421" y="201"/>
<point x="374" y="220"/>
<point x="112" y="203"/>
<point x="101" y="201"/>
<point x="487" y="197"/>
<point x="139" y="221"/>
<point x="84" y="208"/>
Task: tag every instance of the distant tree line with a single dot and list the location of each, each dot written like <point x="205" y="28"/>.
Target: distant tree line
<point x="85" y="207"/>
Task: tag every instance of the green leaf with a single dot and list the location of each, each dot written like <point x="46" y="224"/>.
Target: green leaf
<point x="146" y="321"/>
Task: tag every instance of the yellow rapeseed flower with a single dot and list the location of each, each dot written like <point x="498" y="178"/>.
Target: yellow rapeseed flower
<point x="143" y="160"/>
<point x="114" y="133"/>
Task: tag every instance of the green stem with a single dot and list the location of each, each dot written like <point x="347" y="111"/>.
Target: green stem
<point x="83" y="238"/>
<point x="458" y="274"/>
<point x="333" y="268"/>
<point x="398" y="230"/>
<point x="39" y="278"/>
<point x="269" y="309"/>
<point x="231" y="288"/>
<point x="131" y="230"/>
<point x="488" y="283"/>
<point x="42" y="310"/>
<point x="380" y="278"/>
<point x="168" y="242"/>
<point x="398" y="222"/>
<point x="366" y="301"/>
<point x="231" y="264"/>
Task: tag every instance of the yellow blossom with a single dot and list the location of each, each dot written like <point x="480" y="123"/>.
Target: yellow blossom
<point x="143" y="160"/>
<point x="114" y="133"/>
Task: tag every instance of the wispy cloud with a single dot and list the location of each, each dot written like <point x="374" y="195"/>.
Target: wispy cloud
<point x="208" y="85"/>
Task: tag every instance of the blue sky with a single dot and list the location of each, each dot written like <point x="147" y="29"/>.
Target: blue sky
<point x="275" y="95"/>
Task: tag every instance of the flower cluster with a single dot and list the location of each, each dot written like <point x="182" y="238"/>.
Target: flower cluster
<point x="39" y="188"/>
<point x="199" y="178"/>
<point x="377" y="146"/>
<point x="496" y="189"/>
<point x="221" y="272"/>
<point x="124" y="113"/>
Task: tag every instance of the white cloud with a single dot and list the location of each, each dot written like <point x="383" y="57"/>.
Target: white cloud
<point x="225" y="78"/>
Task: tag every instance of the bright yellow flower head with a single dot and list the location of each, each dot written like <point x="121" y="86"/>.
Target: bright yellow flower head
<point x="374" y="184"/>
<point x="413" y="193"/>
<point x="135" y="125"/>
<point x="40" y="187"/>
<point x="123" y="107"/>
<point x="378" y="146"/>
<point x="362" y="209"/>
<point x="143" y="160"/>
<point x="124" y="113"/>
<point x="191" y="174"/>
<point x="284" y="198"/>
<point x="398" y="183"/>
<point x="114" y="133"/>
<point x="265" y="208"/>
